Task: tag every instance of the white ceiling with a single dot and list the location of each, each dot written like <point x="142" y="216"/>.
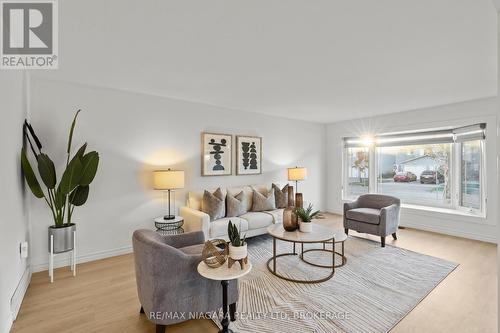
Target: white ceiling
<point x="322" y="61"/>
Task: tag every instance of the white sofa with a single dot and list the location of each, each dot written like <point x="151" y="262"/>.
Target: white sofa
<point x="251" y="223"/>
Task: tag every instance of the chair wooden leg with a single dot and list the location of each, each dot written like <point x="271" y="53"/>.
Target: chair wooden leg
<point x="232" y="311"/>
<point x="394" y="236"/>
<point x="160" y="328"/>
<point x="346" y="231"/>
<point x="142" y="310"/>
<point x="382" y="241"/>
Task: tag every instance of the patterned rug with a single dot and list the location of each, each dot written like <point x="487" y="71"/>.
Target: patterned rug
<point x="374" y="290"/>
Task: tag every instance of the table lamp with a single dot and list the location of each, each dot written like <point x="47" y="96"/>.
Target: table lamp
<point x="168" y="180"/>
<point x="296" y="174"/>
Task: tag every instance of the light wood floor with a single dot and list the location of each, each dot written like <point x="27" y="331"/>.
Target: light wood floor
<point x="103" y="298"/>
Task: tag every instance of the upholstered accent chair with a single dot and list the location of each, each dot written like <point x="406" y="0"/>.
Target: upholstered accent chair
<point x="374" y="214"/>
<point x="168" y="284"/>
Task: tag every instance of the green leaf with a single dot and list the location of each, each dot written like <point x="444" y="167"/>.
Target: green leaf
<point x="90" y="162"/>
<point x="81" y="151"/>
<point x="47" y="170"/>
<point x="59" y="199"/>
<point x="70" y="139"/>
<point x="29" y="175"/>
<point x="79" y="195"/>
<point x="71" y="177"/>
<point x="79" y="154"/>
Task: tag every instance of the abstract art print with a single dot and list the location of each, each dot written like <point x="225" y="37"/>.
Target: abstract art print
<point x="216" y="154"/>
<point x="248" y="155"/>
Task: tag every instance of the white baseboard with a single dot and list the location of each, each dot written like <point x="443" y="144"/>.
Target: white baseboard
<point x="18" y="296"/>
<point x="62" y="260"/>
<point x="6" y="324"/>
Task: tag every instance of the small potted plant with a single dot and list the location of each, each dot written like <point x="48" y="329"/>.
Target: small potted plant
<point x="305" y="216"/>
<point x="237" y="244"/>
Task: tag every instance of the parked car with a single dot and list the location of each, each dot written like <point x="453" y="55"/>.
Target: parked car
<point x="431" y="177"/>
<point x="405" y="176"/>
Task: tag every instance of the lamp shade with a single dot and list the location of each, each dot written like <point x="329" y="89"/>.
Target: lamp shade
<point x="295" y="174"/>
<point x="168" y="179"/>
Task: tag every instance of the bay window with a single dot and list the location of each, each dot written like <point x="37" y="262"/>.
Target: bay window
<point x="417" y="174"/>
<point x="358" y="171"/>
<point x="441" y="168"/>
<point x="470" y="175"/>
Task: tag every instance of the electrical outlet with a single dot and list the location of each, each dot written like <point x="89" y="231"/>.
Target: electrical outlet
<point x="23" y="249"/>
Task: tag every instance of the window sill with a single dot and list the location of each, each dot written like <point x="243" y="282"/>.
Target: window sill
<point x="444" y="210"/>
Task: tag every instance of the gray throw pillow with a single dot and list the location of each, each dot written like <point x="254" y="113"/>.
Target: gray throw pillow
<point x="281" y="196"/>
<point x="213" y="204"/>
<point x="235" y="205"/>
<point x="262" y="202"/>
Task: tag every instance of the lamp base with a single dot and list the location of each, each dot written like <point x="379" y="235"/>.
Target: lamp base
<point x="169" y="217"/>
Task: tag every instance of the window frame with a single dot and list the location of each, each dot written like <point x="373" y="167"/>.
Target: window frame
<point x="346" y="193"/>
<point x="455" y="178"/>
<point x="451" y="178"/>
<point x="482" y="180"/>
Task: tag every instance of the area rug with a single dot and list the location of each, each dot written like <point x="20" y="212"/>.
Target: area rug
<point x="374" y="290"/>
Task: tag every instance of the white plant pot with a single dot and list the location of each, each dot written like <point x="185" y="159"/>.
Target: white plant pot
<point x="237" y="252"/>
<point x="306" y="227"/>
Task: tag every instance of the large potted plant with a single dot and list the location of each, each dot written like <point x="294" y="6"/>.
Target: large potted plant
<point x="306" y="216"/>
<point x="237" y="243"/>
<point x="61" y="197"/>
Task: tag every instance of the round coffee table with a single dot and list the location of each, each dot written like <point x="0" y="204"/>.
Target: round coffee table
<point x="224" y="274"/>
<point x="340" y="237"/>
<point x="320" y="234"/>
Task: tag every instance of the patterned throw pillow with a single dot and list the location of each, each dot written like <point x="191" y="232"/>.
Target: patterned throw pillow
<point x="213" y="204"/>
<point x="281" y="196"/>
<point x="262" y="202"/>
<point x="235" y="204"/>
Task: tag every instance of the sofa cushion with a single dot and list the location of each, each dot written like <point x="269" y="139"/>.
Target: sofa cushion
<point x="218" y="228"/>
<point x="257" y="220"/>
<point x="214" y="204"/>
<point x="277" y="215"/>
<point x="235" y="205"/>
<point x="263" y="202"/>
<point x="195" y="198"/>
<point x="248" y="195"/>
<point x="196" y="249"/>
<point x="281" y="196"/>
<point x="367" y="215"/>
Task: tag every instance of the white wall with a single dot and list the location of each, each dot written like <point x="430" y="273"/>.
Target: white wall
<point x="13" y="209"/>
<point x="497" y="3"/>
<point x="483" y="110"/>
<point x="137" y="133"/>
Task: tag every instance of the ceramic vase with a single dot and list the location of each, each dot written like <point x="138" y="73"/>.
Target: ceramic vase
<point x="306" y="226"/>
<point x="237" y="252"/>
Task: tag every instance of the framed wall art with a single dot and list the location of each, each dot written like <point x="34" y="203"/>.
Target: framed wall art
<point x="248" y="155"/>
<point x="216" y="154"/>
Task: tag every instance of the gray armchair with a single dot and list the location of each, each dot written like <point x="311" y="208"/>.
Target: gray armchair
<point x="168" y="284"/>
<point x="374" y="214"/>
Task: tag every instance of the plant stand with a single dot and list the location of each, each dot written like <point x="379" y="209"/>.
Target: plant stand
<point x="242" y="262"/>
<point x="72" y="258"/>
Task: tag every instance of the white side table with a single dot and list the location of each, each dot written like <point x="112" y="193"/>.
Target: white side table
<point x="224" y="274"/>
